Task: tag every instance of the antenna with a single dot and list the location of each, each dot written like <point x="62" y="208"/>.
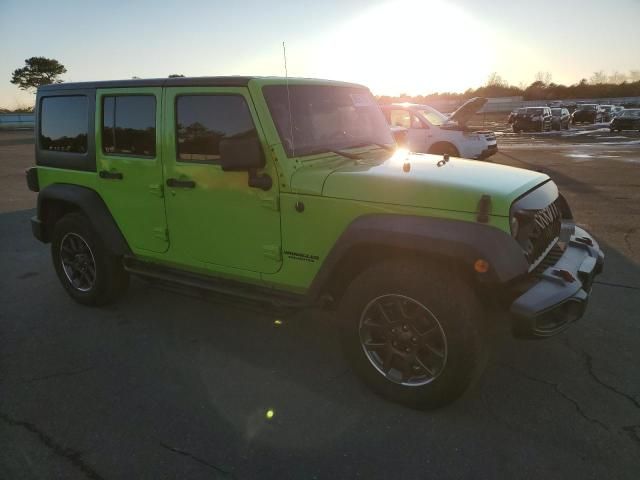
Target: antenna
<point x="286" y="75"/>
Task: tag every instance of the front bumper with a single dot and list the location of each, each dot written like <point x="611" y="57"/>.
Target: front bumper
<point x="487" y="152"/>
<point x="560" y="295"/>
<point x="527" y="125"/>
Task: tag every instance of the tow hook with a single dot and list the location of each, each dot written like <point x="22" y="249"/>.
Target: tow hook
<point x="585" y="240"/>
<point x="565" y="275"/>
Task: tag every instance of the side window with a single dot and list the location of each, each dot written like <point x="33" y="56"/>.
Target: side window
<point x="202" y="121"/>
<point x="129" y="125"/>
<point x="400" y="118"/>
<point x="416" y="123"/>
<point x="64" y="124"/>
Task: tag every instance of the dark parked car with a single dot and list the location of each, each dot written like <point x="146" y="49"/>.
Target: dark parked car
<point x="560" y="118"/>
<point x="629" y="119"/>
<point x="586" y="113"/>
<point x="533" y="119"/>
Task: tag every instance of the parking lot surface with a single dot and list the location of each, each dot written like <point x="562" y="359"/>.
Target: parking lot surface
<point x="165" y="385"/>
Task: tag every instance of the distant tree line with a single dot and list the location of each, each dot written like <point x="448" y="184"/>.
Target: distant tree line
<point x="599" y="85"/>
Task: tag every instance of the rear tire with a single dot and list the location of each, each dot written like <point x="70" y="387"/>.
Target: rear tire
<point x="430" y="334"/>
<point x="90" y="274"/>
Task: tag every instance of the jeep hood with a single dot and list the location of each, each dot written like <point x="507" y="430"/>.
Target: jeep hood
<point x="467" y="110"/>
<point x="456" y="185"/>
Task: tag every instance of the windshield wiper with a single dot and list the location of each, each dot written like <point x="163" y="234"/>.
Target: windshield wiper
<point x="342" y="153"/>
<point x="355" y="156"/>
<point x="384" y="146"/>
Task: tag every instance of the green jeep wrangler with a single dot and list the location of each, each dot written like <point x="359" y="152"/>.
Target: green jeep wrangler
<point x="290" y="192"/>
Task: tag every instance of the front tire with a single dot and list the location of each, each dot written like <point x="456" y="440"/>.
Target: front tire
<point x="90" y="274"/>
<point x="413" y="332"/>
<point x="444" y="148"/>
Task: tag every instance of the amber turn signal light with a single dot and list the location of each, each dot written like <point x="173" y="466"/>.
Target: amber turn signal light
<point x="481" y="266"/>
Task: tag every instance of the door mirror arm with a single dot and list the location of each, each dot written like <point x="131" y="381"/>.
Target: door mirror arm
<point x="259" y="180"/>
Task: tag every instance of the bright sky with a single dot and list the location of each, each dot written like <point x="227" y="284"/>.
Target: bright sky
<point x="392" y="46"/>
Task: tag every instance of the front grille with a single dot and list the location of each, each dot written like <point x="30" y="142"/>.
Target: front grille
<point x="543" y="232"/>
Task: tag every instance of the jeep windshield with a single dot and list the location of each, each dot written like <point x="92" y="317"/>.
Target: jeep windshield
<point x="313" y="119"/>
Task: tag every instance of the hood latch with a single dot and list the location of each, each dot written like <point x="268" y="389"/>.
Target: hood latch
<point x="484" y="207"/>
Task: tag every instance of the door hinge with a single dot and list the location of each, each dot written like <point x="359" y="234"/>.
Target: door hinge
<point x="157" y="189"/>
<point x="273" y="252"/>
<point x="161" y="233"/>
<point x="272" y="203"/>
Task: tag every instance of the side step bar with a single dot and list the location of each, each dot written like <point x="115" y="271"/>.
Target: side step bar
<point x="228" y="288"/>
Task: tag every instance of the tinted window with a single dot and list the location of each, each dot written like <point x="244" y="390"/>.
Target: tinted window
<point x="202" y="121"/>
<point x="129" y="125"/>
<point x="64" y="124"/>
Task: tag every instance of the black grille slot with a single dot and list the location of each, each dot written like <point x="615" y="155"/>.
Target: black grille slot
<point x="551" y="259"/>
<point x="544" y="230"/>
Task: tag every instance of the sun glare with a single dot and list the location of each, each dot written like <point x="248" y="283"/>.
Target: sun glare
<point x="407" y="46"/>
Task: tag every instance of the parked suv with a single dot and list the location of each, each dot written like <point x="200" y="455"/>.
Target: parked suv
<point x="426" y="130"/>
<point x="586" y="113"/>
<point x="292" y="194"/>
<point x="537" y="119"/>
<point x="561" y="118"/>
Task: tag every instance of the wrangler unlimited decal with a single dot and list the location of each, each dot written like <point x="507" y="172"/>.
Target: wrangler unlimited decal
<point x="305" y="257"/>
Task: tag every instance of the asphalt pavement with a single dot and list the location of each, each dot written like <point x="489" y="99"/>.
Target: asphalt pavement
<point x="164" y="385"/>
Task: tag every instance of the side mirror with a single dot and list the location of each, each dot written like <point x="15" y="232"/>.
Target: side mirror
<point x="241" y="153"/>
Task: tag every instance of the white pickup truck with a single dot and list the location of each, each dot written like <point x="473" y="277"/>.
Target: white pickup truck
<point x="426" y="130"/>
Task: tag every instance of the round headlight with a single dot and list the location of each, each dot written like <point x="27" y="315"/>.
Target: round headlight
<point x="515" y="226"/>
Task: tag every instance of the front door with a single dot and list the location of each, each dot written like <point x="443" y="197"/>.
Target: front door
<point x="418" y="135"/>
<point x="216" y="220"/>
<point x="129" y="163"/>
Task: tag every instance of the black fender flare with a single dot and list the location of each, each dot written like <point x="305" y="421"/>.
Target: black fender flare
<point x="90" y="203"/>
<point x="463" y="241"/>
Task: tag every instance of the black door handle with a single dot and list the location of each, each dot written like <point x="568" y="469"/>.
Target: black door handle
<point x="110" y="175"/>
<point x="174" y="182"/>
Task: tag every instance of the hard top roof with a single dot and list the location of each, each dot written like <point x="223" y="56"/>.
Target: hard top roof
<point x="231" y="81"/>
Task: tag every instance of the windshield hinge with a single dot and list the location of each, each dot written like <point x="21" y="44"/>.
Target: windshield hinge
<point x="157" y="189"/>
<point x="272" y="252"/>
<point x="272" y="203"/>
<point x="161" y="233"/>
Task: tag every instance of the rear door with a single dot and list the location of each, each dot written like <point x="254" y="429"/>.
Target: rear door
<point x="129" y="164"/>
